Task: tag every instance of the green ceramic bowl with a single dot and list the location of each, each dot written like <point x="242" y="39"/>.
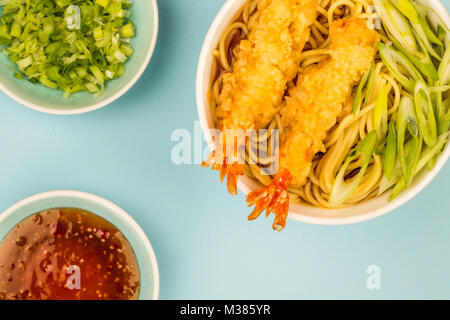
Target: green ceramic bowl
<point x="146" y="258"/>
<point x="144" y="15"/>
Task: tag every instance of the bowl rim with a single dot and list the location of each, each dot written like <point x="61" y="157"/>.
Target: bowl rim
<point x="245" y="182"/>
<point x="104" y="202"/>
<point x="108" y="101"/>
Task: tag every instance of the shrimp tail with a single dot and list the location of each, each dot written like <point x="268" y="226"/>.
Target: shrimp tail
<point x="273" y="198"/>
<point x="232" y="171"/>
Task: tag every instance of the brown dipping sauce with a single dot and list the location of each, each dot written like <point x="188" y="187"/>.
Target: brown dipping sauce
<point x="46" y="254"/>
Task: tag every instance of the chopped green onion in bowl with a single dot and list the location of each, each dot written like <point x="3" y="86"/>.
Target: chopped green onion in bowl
<point x="65" y="46"/>
<point x="420" y="63"/>
<point x="343" y="189"/>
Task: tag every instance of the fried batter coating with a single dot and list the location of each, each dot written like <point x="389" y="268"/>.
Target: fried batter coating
<point x="320" y="94"/>
<point x="264" y="63"/>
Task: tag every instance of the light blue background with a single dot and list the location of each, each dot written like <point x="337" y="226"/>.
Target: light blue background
<point x="204" y="244"/>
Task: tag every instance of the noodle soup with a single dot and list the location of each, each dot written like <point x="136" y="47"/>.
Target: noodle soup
<point x="352" y="163"/>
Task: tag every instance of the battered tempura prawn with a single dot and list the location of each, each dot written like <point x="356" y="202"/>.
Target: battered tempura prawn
<point x="264" y="63"/>
<point x="311" y="109"/>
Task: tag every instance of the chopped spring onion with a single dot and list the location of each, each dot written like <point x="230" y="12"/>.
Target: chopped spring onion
<point x="441" y="34"/>
<point x="396" y="24"/>
<point x="407" y="9"/>
<point x="358" y="95"/>
<point x="424" y="121"/>
<point x="399" y="186"/>
<point x="390" y="152"/>
<point x="381" y="112"/>
<point x="381" y="146"/>
<point x="444" y="68"/>
<point x="442" y="110"/>
<point x="103" y="3"/>
<point x="426" y="157"/>
<point x="421" y="59"/>
<point x="109" y="74"/>
<point x="342" y="190"/>
<point x="430" y="152"/>
<point x="25" y="62"/>
<point x="439" y="88"/>
<point x="128" y="30"/>
<point x="428" y="32"/>
<point x="369" y="86"/>
<point x="67" y="45"/>
<point x="120" y="56"/>
<point x="387" y="183"/>
<point x="421" y="28"/>
<point x="73" y="17"/>
<point x="406" y="120"/>
<point x="425" y="113"/>
<point x="16" y="29"/>
<point x="426" y="11"/>
<point x="393" y="14"/>
<point x="392" y="59"/>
